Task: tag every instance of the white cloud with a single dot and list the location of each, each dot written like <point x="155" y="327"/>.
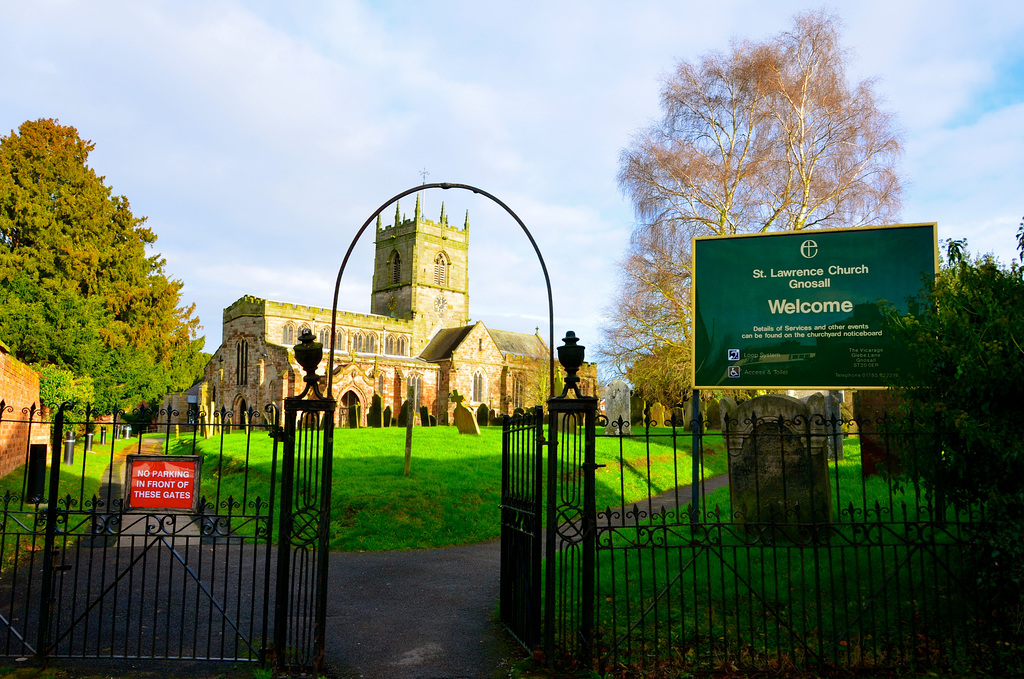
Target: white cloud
<point x="258" y="136"/>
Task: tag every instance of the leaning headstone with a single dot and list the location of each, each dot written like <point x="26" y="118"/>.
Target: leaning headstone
<point x="657" y="415"/>
<point x="388" y="417"/>
<point x="727" y="409"/>
<point x="617" y="409"/>
<point x="465" y="422"/>
<point x="777" y="474"/>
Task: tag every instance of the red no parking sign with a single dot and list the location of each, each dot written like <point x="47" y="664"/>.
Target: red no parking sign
<point x="163" y="482"/>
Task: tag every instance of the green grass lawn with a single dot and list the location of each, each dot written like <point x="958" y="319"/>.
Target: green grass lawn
<point x="453" y="493"/>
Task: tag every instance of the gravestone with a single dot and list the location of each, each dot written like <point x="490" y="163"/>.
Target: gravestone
<point x="713" y="415"/>
<point x="825" y="409"/>
<point x="679" y="417"/>
<point x="879" y="453"/>
<point x="727" y="410"/>
<point x="617" y="408"/>
<point x="778" y="475"/>
<point x="636" y="411"/>
<point x="657" y="415"/>
<point x="465" y="421"/>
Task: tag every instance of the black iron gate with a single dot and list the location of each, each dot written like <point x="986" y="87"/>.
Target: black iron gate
<point x="522" y="459"/>
<point x="86" y="573"/>
<point x="138" y="537"/>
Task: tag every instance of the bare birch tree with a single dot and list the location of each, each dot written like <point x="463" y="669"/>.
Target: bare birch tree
<point x="767" y="137"/>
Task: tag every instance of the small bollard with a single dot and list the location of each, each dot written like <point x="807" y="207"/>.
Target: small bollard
<point x="88" y="443"/>
<point x="69" y="449"/>
<point x="103" y="436"/>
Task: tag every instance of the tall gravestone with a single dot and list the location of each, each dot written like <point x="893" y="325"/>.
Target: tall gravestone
<point x="778" y="467"/>
<point x="617" y="408"/>
<point x="657" y="415"/>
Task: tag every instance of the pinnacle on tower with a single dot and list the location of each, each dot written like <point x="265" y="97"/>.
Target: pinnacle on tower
<point x="444" y="218"/>
<point x="417" y="215"/>
<point x="398" y="214"/>
<point x="379" y="226"/>
<point x="466" y="224"/>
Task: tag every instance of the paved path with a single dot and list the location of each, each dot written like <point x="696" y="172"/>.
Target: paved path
<point x="422" y="614"/>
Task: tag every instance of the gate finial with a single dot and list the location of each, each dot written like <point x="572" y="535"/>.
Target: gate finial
<point x="308" y="353"/>
<point x="570" y="355"/>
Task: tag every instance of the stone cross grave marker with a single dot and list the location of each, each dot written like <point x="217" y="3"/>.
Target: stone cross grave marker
<point x="465" y="421"/>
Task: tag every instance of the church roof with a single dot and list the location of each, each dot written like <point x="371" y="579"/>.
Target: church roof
<point x="519" y="343"/>
<point x="444" y="343"/>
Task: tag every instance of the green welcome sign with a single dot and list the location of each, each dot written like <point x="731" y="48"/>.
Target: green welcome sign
<point x="801" y="309"/>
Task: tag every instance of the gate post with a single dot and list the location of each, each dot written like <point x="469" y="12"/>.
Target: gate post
<point x="571" y="514"/>
<point x="300" y="603"/>
<point x="46" y="598"/>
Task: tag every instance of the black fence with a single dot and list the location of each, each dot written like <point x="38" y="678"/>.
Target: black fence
<point x="792" y="555"/>
<point x="176" y="569"/>
<point x="145" y="538"/>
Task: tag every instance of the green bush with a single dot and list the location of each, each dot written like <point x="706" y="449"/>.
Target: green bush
<point x="966" y="333"/>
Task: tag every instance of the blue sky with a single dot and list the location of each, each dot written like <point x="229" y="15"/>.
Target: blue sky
<point x="258" y="136"/>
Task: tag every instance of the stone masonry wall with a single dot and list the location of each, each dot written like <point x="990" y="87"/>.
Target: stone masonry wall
<point x="19" y="392"/>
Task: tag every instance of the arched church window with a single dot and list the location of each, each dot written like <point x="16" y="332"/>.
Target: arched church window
<point x="339" y="343"/>
<point x="416" y="382"/>
<point x="380" y="383"/>
<point x="357" y="342"/>
<point x="389" y="345"/>
<point x="288" y="334"/>
<point x="325" y="337"/>
<point x="441" y="270"/>
<point x="478" y="387"/>
<point x="371" y="343"/>
<point x="396" y="268"/>
<point x="242" y="362"/>
<point x="401" y="346"/>
<point x="518" y="391"/>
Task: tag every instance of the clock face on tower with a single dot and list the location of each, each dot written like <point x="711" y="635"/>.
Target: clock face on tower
<point x="440" y="305"/>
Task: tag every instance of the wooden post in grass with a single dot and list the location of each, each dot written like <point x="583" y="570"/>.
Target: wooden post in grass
<point x="408" y="432"/>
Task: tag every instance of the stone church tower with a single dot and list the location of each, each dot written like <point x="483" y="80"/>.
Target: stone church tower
<point x="421" y="274"/>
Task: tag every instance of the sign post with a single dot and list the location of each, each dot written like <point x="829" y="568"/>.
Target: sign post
<point x="802" y="309"/>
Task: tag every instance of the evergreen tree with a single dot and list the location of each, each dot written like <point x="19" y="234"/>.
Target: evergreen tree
<point x="78" y="289"/>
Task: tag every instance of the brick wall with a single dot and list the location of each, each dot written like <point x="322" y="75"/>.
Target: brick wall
<point x="19" y="392"/>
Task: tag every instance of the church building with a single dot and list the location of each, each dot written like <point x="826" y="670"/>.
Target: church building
<point x="417" y="334"/>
